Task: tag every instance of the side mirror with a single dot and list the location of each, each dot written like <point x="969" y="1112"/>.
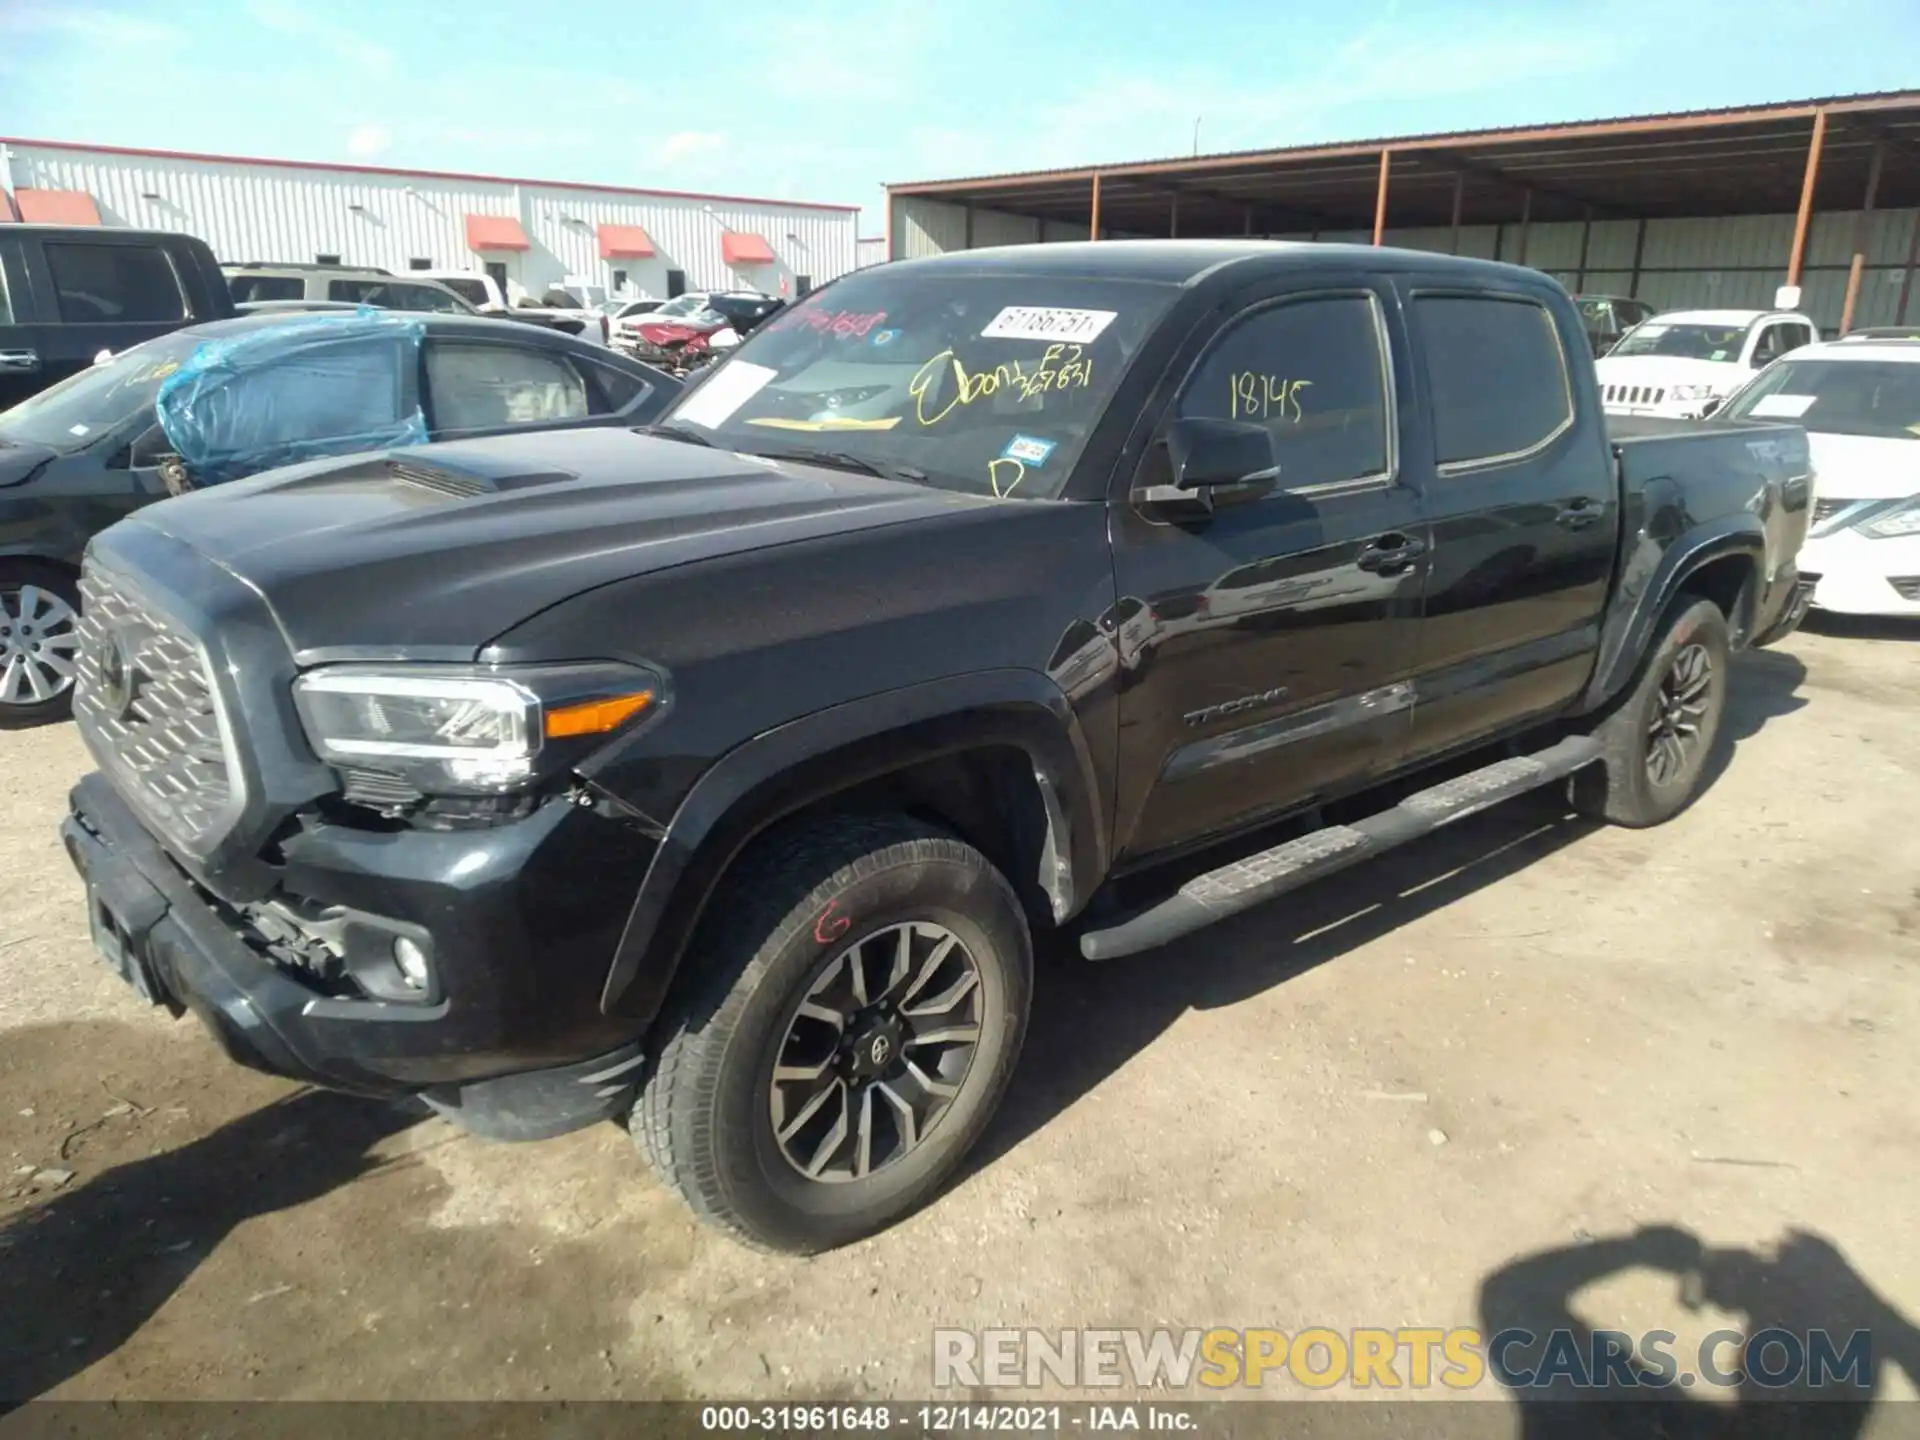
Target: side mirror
<point x="1712" y="405"/>
<point x="1208" y="452"/>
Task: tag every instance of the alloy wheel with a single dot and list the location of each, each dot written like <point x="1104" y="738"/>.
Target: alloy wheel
<point x="39" y="645"/>
<point x="1679" y="712"/>
<point x="876" y="1051"/>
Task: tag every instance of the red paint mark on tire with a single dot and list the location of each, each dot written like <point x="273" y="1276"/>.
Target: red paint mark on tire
<point x="830" y="924"/>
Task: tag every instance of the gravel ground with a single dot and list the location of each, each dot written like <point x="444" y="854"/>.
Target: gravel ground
<point x="1421" y="1094"/>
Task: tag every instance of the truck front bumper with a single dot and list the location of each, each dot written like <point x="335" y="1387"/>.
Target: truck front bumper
<point x="510" y="1039"/>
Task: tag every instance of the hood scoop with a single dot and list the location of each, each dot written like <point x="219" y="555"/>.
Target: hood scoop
<point x="460" y="483"/>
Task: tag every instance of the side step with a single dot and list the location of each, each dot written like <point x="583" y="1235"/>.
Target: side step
<point x="1260" y="878"/>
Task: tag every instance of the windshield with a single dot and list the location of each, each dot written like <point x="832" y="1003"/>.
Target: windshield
<point x="1880" y="398"/>
<point x="99" y="400"/>
<point x="1683" y="342"/>
<point x="986" y="383"/>
<point x="682" y="305"/>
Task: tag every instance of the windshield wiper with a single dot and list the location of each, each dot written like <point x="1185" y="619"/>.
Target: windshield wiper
<point x="841" y="460"/>
<point x="674" y="432"/>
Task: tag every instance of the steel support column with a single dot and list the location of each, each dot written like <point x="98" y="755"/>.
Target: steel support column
<point x="1639" y="249"/>
<point x="1526" y="223"/>
<point x="1173" y="217"/>
<point x="1459" y="196"/>
<point x="1906" y="278"/>
<point x="1586" y="240"/>
<point x="1807" y="185"/>
<point x="1093" y="225"/>
<point x="1380" y="198"/>
<point x="1862" y="237"/>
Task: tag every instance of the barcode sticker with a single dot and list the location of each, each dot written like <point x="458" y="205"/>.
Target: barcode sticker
<point x="1041" y="322"/>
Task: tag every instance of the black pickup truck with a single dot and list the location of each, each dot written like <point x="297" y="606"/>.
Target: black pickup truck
<point x="719" y="775"/>
<point x="67" y="292"/>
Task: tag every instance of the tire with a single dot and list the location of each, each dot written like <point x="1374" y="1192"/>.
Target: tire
<point x="1650" y="769"/>
<point x="39" y="603"/>
<point x="801" y="912"/>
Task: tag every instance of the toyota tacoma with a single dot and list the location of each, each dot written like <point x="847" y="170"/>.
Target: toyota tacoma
<point x="717" y="776"/>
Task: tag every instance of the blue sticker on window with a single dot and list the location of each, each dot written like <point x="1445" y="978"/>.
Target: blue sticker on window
<point x="1028" y="450"/>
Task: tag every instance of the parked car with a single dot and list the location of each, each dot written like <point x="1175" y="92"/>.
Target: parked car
<point x="1859" y="401"/>
<point x="720" y="773"/>
<point x="256" y="283"/>
<point x="484" y="293"/>
<point x="1608" y="317"/>
<point x="79" y="456"/>
<point x="690" y="329"/>
<point x="69" y="292"/>
<point x="1678" y="363"/>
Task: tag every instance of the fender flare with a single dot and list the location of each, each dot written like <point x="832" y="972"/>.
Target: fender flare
<point x="817" y="756"/>
<point x="1626" y="636"/>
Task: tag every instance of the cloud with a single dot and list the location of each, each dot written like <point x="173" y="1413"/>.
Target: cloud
<point x="366" y="141"/>
<point x="688" y="145"/>
<point x="96" y="26"/>
<point x="287" y="18"/>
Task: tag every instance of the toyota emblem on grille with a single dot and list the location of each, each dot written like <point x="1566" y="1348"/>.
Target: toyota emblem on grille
<point x="119" y="677"/>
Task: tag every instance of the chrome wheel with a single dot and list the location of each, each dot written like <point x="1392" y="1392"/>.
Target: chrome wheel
<point x="39" y="643"/>
<point x="876" y="1051"/>
<point x="1679" y="712"/>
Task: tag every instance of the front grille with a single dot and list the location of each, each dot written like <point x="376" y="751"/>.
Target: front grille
<point x="144" y="700"/>
<point x="1632" y="394"/>
<point x="1908" y="586"/>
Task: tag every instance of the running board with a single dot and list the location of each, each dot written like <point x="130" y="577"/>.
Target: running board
<point x="1271" y="873"/>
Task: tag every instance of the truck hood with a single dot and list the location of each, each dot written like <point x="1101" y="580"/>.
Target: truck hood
<point x="431" y="552"/>
<point x="1864" y="467"/>
<point x="1669" y="370"/>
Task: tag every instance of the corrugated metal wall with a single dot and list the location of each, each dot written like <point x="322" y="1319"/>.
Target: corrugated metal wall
<point x="1735" y="262"/>
<point x="249" y="211"/>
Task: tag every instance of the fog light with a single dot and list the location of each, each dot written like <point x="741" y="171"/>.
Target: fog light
<point x="412" y="962"/>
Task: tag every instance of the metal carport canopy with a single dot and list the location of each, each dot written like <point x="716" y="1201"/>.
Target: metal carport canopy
<point x="1750" y="160"/>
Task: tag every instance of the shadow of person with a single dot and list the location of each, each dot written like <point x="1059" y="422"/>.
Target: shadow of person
<point x="1809" y="1360"/>
<point x="82" y="1273"/>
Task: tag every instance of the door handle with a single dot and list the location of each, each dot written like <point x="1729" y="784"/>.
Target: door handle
<point x="19" y="361"/>
<point x="1578" y="513"/>
<point x="1390" y="554"/>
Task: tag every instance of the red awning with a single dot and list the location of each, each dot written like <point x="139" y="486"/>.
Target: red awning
<point x="624" y="242"/>
<point x="56" y="207"/>
<point x="742" y="247"/>
<point x="496" y="232"/>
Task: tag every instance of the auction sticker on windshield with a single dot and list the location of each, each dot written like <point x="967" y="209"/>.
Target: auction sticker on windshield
<point x="730" y="388"/>
<point x="1041" y="322"/>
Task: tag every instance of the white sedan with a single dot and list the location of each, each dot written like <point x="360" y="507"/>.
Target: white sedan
<point x="1859" y="399"/>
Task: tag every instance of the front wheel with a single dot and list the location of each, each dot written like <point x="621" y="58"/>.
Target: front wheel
<point x="852" y="1017"/>
<point x="1658" y="742"/>
<point x="39" y="642"/>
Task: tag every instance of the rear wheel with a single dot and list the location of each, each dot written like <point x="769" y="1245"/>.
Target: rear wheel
<point x="39" y="642"/>
<point x="1657" y="743"/>
<point x="856" y="1009"/>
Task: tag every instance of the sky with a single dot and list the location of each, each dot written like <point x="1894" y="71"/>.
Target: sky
<point x="828" y="101"/>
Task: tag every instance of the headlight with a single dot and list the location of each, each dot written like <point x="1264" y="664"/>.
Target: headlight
<point x="1690" y="392"/>
<point x="447" y="731"/>
<point x="1903" y="519"/>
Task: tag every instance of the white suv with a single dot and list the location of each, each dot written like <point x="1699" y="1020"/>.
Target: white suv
<point x="1859" y="400"/>
<point x="1678" y="363"/>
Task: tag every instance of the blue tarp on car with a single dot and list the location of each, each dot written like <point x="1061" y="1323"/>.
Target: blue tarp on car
<point x="325" y="384"/>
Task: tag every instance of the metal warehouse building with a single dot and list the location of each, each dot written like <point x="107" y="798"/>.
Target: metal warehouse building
<point x="528" y="233"/>
<point x="1712" y="208"/>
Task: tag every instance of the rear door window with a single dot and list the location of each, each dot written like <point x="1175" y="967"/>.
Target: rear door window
<point x="1497" y="375"/>
<point x="1311" y="371"/>
<point x="500" y="387"/>
<point x="114" y="284"/>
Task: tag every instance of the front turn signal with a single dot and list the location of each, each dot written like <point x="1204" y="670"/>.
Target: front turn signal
<point x="595" y="717"/>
